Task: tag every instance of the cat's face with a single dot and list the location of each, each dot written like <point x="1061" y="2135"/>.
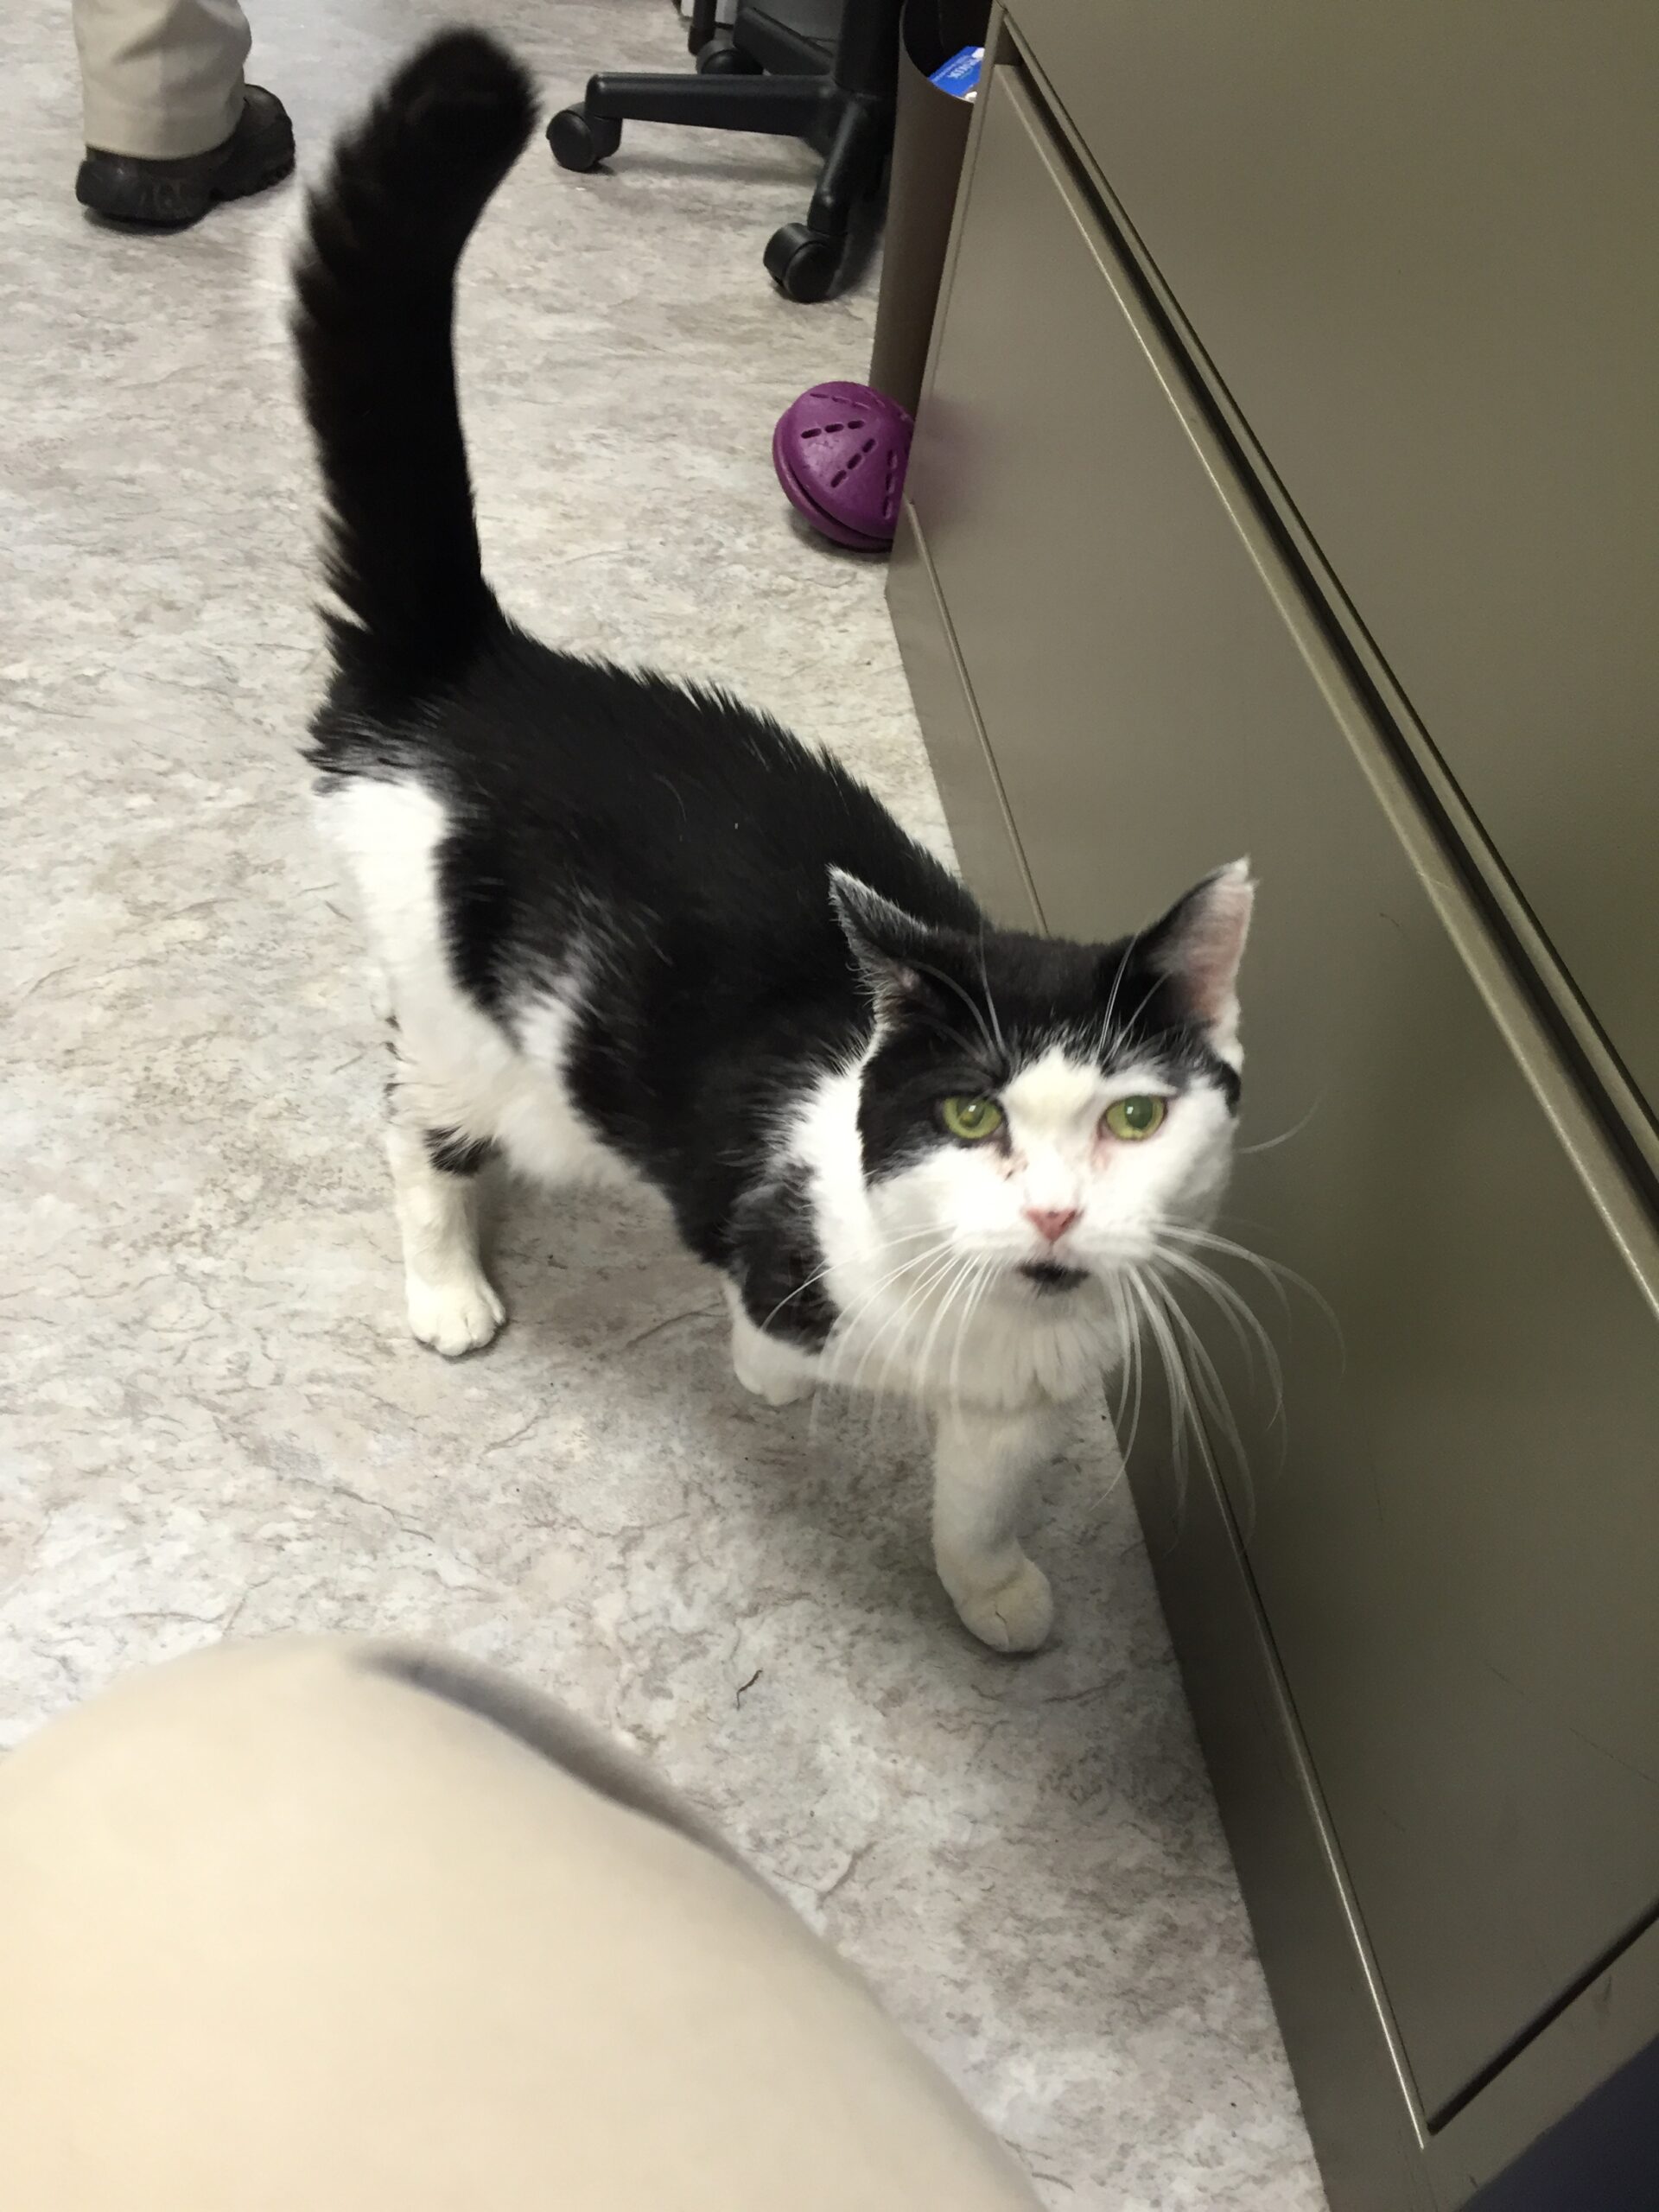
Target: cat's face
<point x="1044" y="1112"/>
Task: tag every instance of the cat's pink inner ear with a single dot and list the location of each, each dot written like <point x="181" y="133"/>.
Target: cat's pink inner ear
<point x="1206" y="943"/>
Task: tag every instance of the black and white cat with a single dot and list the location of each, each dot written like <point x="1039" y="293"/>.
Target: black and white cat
<point x="630" y="928"/>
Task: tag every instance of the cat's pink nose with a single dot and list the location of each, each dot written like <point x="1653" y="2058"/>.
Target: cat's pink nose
<point x="1051" y="1222"/>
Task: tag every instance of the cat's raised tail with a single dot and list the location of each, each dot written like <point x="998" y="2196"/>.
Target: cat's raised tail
<point x="375" y="282"/>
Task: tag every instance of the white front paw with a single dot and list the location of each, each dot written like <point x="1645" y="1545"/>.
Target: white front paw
<point x="767" y="1370"/>
<point x="1016" y="1614"/>
<point x="460" y="1314"/>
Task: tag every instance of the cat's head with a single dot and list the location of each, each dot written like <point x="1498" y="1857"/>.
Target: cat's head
<point x="1043" y="1108"/>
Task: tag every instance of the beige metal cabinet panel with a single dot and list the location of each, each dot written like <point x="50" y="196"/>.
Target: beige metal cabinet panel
<point x="1418" y="243"/>
<point x="1443" y="1527"/>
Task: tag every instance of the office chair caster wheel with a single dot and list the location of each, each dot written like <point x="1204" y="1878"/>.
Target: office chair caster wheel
<point x="802" y="264"/>
<point x="719" y="58"/>
<point x="580" y="141"/>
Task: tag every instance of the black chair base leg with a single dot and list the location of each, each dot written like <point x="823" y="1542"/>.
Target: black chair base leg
<point x="852" y="169"/>
<point x="781" y="107"/>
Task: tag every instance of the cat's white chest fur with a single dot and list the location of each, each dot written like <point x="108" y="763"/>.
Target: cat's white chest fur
<point x="940" y="1348"/>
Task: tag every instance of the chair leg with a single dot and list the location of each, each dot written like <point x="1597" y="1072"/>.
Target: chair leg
<point x="852" y="169"/>
<point x="783" y="107"/>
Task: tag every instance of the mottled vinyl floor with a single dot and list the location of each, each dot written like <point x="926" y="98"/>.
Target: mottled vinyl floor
<point x="214" y="1420"/>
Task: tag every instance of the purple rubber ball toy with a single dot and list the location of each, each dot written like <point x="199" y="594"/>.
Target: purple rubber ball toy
<point x="841" y="451"/>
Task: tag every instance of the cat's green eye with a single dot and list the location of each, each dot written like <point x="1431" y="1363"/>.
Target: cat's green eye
<point x="972" y="1120"/>
<point x="1131" y="1119"/>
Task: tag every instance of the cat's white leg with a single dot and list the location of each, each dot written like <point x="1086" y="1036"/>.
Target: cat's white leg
<point x="451" y="1305"/>
<point x="983" y="1466"/>
<point x="767" y="1368"/>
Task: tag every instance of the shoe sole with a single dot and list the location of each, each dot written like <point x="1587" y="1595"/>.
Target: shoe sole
<point x="272" y="171"/>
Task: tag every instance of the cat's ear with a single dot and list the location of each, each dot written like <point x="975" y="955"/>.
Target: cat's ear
<point x="891" y="948"/>
<point x="1198" y="945"/>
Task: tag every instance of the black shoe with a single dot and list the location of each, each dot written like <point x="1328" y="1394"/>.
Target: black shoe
<point x="171" y="195"/>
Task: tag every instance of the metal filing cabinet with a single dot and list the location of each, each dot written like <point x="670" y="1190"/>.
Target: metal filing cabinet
<point x="1168" y="565"/>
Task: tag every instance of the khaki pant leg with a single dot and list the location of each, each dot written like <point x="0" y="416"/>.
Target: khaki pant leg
<point x="318" y="1925"/>
<point x="159" y="79"/>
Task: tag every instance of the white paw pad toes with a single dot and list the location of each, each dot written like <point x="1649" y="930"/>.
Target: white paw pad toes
<point x="1014" y="1615"/>
<point x="774" y="1381"/>
<point x="456" y="1316"/>
<point x="774" y="1388"/>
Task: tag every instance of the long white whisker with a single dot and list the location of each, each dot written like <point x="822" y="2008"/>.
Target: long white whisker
<point x="1241" y="1317"/>
<point x="903" y="1237"/>
<point x="966" y="1046"/>
<point x="1210" y="1240"/>
<point x="1117" y="980"/>
<point x="848" y="1322"/>
<point x="940" y="1285"/>
<point x="990" y="1003"/>
<point x="1271" y="1144"/>
<point x="965" y="1275"/>
<point x="952" y="984"/>
<point x="1118" y="1377"/>
<point x="1130" y="1394"/>
<point x="1184" y="1411"/>
<point x="844" y="1335"/>
<point x="1275" y="1271"/>
<point x="939" y="1261"/>
<point x="1147" y="999"/>
<point x="1209" y="1388"/>
<point x="975" y="1297"/>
